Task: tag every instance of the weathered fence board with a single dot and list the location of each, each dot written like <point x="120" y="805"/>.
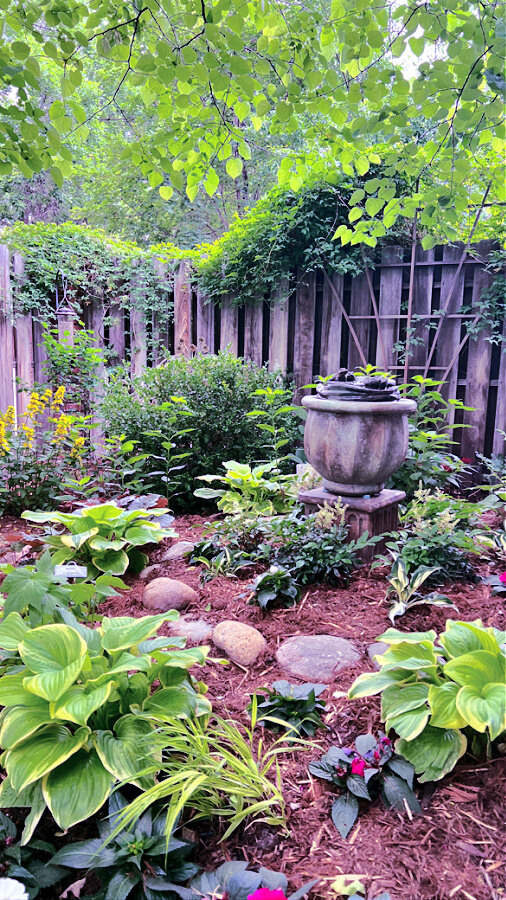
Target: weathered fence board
<point x="335" y="305"/>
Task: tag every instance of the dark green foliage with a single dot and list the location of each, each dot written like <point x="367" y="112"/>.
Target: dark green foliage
<point x="234" y="881"/>
<point x="369" y="771"/>
<point x="275" y="588"/>
<point x="137" y="863"/>
<point x="218" y="391"/>
<point x="30" y="865"/>
<point x="291" y="707"/>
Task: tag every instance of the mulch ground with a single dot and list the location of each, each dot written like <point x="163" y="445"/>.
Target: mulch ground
<point x="456" y="849"/>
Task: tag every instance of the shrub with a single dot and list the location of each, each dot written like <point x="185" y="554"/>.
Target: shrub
<point x="80" y="715"/>
<point x="437" y="694"/>
<point x="218" y="390"/>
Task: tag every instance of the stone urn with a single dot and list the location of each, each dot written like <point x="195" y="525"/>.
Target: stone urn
<point x="356" y="433"/>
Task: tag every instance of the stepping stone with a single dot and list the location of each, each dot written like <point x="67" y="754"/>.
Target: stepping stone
<point x="377" y="649"/>
<point x="316" y="657"/>
<point x="242" y="643"/>
<point x="149" y="571"/>
<point x="162" y="594"/>
<point x="178" y="550"/>
<point x="196" y="630"/>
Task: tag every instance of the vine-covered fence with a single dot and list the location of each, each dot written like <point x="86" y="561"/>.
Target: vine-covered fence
<point x="413" y="316"/>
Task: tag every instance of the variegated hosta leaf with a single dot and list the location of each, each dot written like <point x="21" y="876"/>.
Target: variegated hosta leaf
<point x="76" y="790"/>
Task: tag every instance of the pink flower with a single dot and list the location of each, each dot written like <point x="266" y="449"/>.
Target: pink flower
<point x="446" y="468"/>
<point x="341" y="772"/>
<point x="358" y="766"/>
<point x="502" y="577"/>
<point x="466" y="460"/>
<point x="266" y="894"/>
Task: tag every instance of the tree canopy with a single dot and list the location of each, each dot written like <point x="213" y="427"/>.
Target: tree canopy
<point x="323" y="83"/>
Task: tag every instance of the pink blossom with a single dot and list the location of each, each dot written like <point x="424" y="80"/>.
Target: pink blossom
<point x="358" y="766"/>
<point x="266" y="894"/>
<point x="502" y="577"/>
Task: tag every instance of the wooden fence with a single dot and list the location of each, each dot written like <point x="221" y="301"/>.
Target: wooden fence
<point x="314" y="324"/>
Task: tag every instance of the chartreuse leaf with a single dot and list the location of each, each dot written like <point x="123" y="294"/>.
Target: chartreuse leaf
<point x="371" y="683"/>
<point x="485" y="708"/>
<point x="125" y="632"/>
<point x="12" y="631"/>
<point x="409" y="724"/>
<point x="41" y="753"/>
<point x="75" y="541"/>
<point x="442" y="702"/>
<point x="119" y="756"/>
<point x="433" y="753"/>
<point x="77" y="704"/>
<point x="55" y="654"/>
<point x="19" y="723"/>
<point x="411" y="656"/>
<point x="477" y="669"/>
<point x="76" y="790"/>
<point x="12" y="692"/>
<point x="394" y="636"/>
<point x="463" y="637"/>
<point x="113" y="561"/>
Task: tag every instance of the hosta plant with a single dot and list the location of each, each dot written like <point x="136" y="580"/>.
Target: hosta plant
<point x="247" y="491"/>
<point x="80" y="713"/>
<point x="104" y="538"/>
<point x="236" y="882"/>
<point x="40" y="596"/>
<point x="290" y="707"/>
<point x="137" y="863"/>
<point x="370" y="770"/>
<point x="438" y="694"/>
<point x="405" y="588"/>
<point x="275" y="588"/>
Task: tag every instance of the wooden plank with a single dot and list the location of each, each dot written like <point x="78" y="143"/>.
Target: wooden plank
<point x="159" y="328"/>
<point x="205" y="325"/>
<point x="477" y="379"/>
<point x="422" y="306"/>
<point x="305" y="300"/>
<point x="182" y="309"/>
<point x="360" y="306"/>
<point x="39" y="353"/>
<point x="229" y="326"/>
<point x="23" y="346"/>
<point x="332" y="317"/>
<point x="7" y="391"/>
<point x="449" y="336"/>
<point x="390" y="296"/>
<point x="278" y="331"/>
<point x="499" y="441"/>
<point x="138" y="349"/>
<point x="253" y="330"/>
<point x="117" y="333"/>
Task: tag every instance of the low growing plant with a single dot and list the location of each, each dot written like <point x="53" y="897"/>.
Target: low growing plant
<point x="290" y="707"/>
<point x="372" y="769"/>
<point x="251" y="492"/>
<point x="405" y="587"/>
<point x="497" y="583"/>
<point x="275" y="588"/>
<point x="32" y="866"/>
<point x="103" y="538"/>
<point x="440" y="694"/>
<point x="137" y="863"/>
<point x="236" y="882"/>
<point x="81" y="714"/>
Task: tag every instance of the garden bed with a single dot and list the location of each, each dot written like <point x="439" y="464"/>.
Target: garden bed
<point x="455" y="850"/>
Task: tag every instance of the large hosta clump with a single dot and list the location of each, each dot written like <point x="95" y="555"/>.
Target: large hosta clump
<point x="80" y="713"/>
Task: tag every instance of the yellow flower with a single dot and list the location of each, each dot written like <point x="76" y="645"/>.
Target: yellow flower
<point x="29" y="434"/>
<point x="78" y="447"/>
<point x="4" y="446"/>
<point x="62" y="428"/>
<point x="9" y="417"/>
<point x="58" y="398"/>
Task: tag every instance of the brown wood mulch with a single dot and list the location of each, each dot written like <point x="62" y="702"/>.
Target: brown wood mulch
<point x="455" y="850"/>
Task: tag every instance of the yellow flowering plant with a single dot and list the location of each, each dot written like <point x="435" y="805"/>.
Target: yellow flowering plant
<point x="37" y="451"/>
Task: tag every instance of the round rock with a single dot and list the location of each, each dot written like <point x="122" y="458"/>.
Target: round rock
<point x="195" y="630"/>
<point x="178" y="550"/>
<point x="242" y="643"/>
<point x="162" y="594"/>
<point x="377" y="649"/>
<point x="316" y="657"/>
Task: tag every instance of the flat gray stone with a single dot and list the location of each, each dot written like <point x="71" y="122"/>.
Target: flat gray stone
<point x="178" y="550"/>
<point x="149" y="571"/>
<point x="195" y="630"/>
<point x="316" y="657"/>
<point x="162" y="594"/>
<point x="242" y="643"/>
<point x="376" y="649"/>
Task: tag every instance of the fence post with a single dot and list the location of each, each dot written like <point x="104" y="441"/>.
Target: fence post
<point x="182" y="309"/>
<point x="304" y="330"/>
<point x="7" y="386"/>
<point x="278" y="337"/>
<point x="23" y="345"/>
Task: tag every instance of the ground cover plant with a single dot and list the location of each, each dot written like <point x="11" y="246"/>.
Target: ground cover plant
<point x="290" y="707"/>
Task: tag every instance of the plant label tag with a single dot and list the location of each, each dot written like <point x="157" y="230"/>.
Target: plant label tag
<point x="70" y="570"/>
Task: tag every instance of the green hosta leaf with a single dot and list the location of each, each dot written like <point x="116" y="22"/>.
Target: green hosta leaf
<point x="124" y="632"/>
<point x="170" y="703"/>
<point x="119" y="756"/>
<point x="100" y="543"/>
<point x="77" y="704"/>
<point x="113" y="561"/>
<point x="393" y="636"/>
<point x="368" y="684"/>
<point x="19" y="723"/>
<point x="398" y="794"/>
<point x="402" y="698"/>
<point x="484" y="709"/>
<point x="463" y="637"/>
<point x="75" y="541"/>
<point x="344" y="814"/>
<point x="12" y="631"/>
<point x="409" y="724"/>
<point x="55" y="654"/>
<point x="12" y="692"/>
<point x="139" y="535"/>
<point x="433" y="753"/>
<point x="442" y="702"/>
<point x="409" y="656"/>
<point x="76" y="790"/>
<point x="41" y="753"/>
<point x="477" y="669"/>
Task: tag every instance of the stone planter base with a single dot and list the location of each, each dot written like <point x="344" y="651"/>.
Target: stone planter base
<point x="376" y="515"/>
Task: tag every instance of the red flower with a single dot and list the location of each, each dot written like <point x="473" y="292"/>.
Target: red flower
<point x="266" y="894"/>
<point x="502" y="577"/>
<point x="446" y="468"/>
<point x="358" y="766"/>
<point x="466" y="460"/>
<point x="341" y="772"/>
